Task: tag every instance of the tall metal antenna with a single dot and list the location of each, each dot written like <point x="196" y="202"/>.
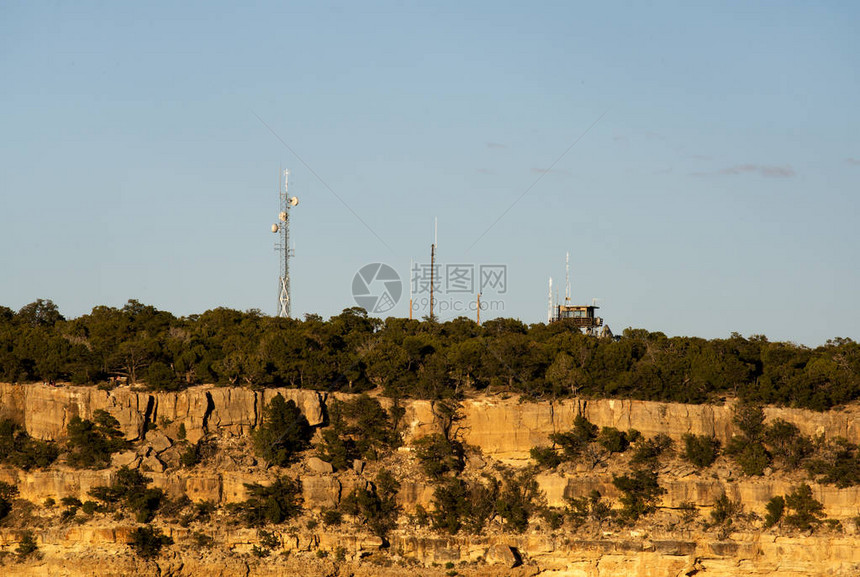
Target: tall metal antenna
<point x="410" y="289"/>
<point x="567" y="278"/>
<point x="286" y="203"/>
<point x="433" y="265"/>
<point x="549" y="303"/>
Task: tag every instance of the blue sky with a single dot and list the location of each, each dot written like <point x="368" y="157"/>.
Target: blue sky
<point x="712" y="185"/>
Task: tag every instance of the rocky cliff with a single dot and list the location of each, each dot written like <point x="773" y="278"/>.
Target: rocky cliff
<point x="500" y="430"/>
<point x="505" y="428"/>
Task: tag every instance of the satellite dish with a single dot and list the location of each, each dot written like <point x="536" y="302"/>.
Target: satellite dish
<point x="282" y="217"/>
<point x="275" y="228"/>
<point x="294" y="201"/>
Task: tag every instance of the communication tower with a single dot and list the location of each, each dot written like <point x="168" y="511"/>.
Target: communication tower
<point x="282" y="227"/>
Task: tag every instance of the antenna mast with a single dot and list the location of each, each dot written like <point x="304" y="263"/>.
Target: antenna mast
<point x="410" y="289"/>
<point x="567" y="278"/>
<point x="283" y="246"/>
<point x="549" y="303"/>
<point x="433" y="265"/>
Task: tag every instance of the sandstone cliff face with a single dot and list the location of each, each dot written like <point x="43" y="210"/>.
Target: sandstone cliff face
<point x="84" y="550"/>
<point x="45" y="411"/>
<point x="507" y="428"/>
<point x="502" y="429"/>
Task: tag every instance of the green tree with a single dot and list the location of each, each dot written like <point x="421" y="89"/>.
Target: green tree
<point x="748" y="448"/>
<point x="20" y="450"/>
<point x="147" y="541"/>
<point x="640" y="491"/>
<point x="806" y="511"/>
<point x="775" y="508"/>
<point x="439" y="456"/>
<point x="7" y="493"/>
<point x="129" y="489"/>
<point x="787" y="444"/>
<point x="275" y="503"/>
<point x="284" y="432"/>
<point x="700" y="450"/>
<point x="376" y="504"/>
<point x="519" y="500"/>
<point x="91" y="443"/>
<point x="40" y="313"/>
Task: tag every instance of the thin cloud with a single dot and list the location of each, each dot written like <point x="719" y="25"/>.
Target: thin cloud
<point x="537" y="170"/>
<point x="496" y="145"/>
<point x="765" y="170"/>
<point x="853" y="161"/>
<point x="484" y="171"/>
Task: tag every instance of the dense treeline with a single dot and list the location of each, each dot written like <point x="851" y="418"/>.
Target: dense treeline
<point x="408" y="358"/>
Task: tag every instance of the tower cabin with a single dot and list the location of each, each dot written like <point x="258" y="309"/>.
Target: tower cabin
<point x="583" y="317"/>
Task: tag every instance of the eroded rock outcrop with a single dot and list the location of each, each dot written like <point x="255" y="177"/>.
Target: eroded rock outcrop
<point x="499" y="429"/>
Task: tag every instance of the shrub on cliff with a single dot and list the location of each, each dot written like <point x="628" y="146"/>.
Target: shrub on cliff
<point x="752" y="458"/>
<point x="747" y="448"/>
<point x="545" y="457"/>
<point x="273" y="503"/>
<point x="460" y="505"/>
<point x="283" y="433"/>
<point x="148" y="541"/>
<point x="26" y="546"/>
<point x="640" y="491"/>
<point x="613" y="440"/>
<point x="591" y="508"/>
<point x="439" y="455"/>
<point x="450" y="505"/>
<point x="160" y="377"/>
<point x="838" y="463"/>
<point x="19" y="449"/>
<point x="805" y="510"/>
<point x="787" y="444"/>
<point x="91" y="443"/>
<point x="7" y="493"/>
<point x="649" y="452"/>
<point x="519" y="500"/>
<point x="359" y="428"/>
<point x="725" y="510"/>
<point x="700" y="450"/>
<point x="375" y="504"/>
<point x="130" y="490"/>
<point x="775" y="508"/>
<point x="574" y="442"/>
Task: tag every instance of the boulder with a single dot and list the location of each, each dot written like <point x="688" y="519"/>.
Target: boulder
<point x="317" y="465"/>
<point x="320" y="492"/>
<point x="505" y="555"/>
<point x="158" y="441"/>
<point x="127" y="459"/>
<point x="152" y="463"/>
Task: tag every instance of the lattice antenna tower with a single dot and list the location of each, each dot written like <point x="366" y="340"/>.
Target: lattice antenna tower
<point x="282" y="228"/>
